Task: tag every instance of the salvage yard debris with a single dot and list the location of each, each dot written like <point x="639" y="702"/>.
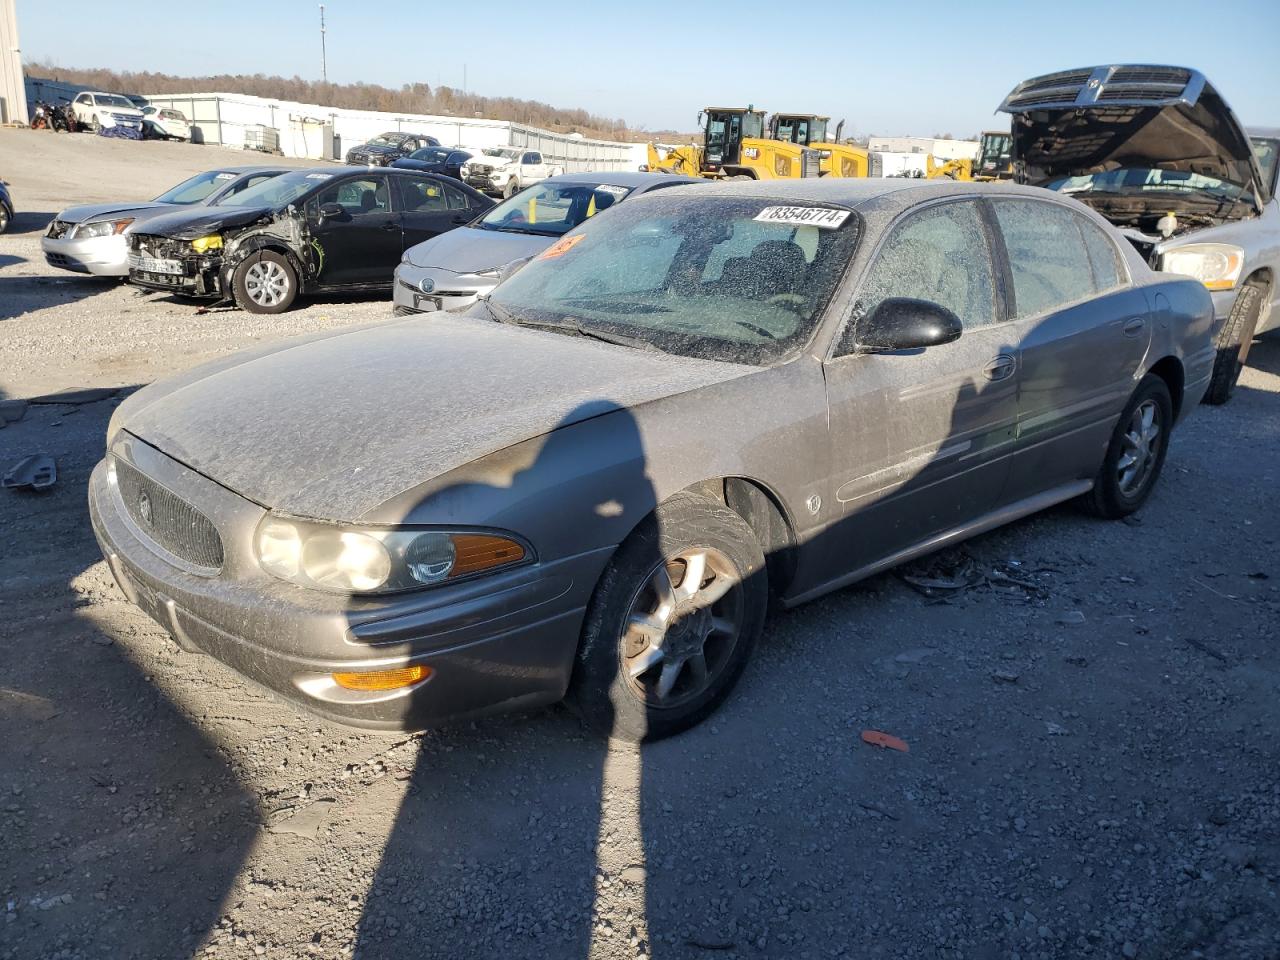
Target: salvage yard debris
<point x="38" y="471"/>
<point x="878" y="738"/>
<point x="955" y="571"/>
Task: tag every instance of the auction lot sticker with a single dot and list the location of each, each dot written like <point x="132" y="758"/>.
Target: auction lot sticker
<point x="826" y="218"/>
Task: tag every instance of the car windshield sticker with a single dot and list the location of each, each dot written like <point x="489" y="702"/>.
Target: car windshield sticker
<point x="225" y="176"/>
<point x="825" y="218"/>
<point x="561" y="247"/>
<point x="319" y="176"/>
<point x="616" y="192"/>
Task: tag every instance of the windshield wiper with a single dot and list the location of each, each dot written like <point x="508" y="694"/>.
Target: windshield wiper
<point x="573" y="327"/>
<point x="621" y="339"/>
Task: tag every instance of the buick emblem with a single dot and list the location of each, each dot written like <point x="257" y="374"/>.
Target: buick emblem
<point x="426" y="284"/>
<point x="144" y="508"/>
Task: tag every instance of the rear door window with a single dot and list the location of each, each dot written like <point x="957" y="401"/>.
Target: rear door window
<point x="357" y="197"/>
<point x="422" y="196"/>
<point x="1048" y="256"/>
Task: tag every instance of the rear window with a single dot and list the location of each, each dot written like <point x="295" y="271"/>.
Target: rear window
<point x="722" y="278"/>
<point x="1047" y="254"/>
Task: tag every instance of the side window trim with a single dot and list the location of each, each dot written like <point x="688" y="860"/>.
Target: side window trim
<point x="1001" y="269"/>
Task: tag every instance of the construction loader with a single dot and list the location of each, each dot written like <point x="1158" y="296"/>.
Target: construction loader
<point x="835" y="159"/>
<point x="734" y="145"/>
<point x="995" y="156"/>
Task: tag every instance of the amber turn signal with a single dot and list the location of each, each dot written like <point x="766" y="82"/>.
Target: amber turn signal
<point x="383" y="679"/>
<point x="474" y="552"/>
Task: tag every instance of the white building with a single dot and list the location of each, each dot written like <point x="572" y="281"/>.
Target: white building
<point x="13" y="99"/>
<point x="940" y="149"/>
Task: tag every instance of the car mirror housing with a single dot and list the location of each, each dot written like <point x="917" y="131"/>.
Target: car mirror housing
<point x="904" y="323"/>
<point x="328" y="210"/>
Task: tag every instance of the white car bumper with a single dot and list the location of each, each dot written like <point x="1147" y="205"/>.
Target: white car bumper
<point x="100" y="256"/>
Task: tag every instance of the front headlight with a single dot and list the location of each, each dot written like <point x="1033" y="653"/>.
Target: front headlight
<point x="204" y="244"/>
<point x="1216" y="265"/>
<point x="367" y="560"/>
<point x="99" y="228"/>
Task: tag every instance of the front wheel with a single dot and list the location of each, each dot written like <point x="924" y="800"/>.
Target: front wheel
<point x="672" y="622"/>
<point x="1233" y="343"/>
<point x="1135" y="455"/>
<point x="511" y="189"/>
<point x="265" y="283"/>
<point x="95" y="124"/>
<point x="4" y="218"/>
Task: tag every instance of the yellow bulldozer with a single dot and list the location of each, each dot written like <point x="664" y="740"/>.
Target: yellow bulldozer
<point x="992" y="162"/>
<point x="734" y="145"/>
<point x="835" y="159"/>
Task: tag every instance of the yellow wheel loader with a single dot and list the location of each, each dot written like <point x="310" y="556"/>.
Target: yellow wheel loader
<point x="835" y="159"/>
<point x="734" y="145"/>
<point x="995" y="156"/>
<point x="960" y="168"/>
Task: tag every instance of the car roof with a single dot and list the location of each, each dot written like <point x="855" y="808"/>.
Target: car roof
<point x="622" y="178"/>
<point x="259" y="168"/>
<point x="853" y="192"/>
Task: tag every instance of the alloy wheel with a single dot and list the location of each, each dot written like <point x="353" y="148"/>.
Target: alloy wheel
<point x="682" y="627"/>
<point x="1140" y="448"/>
<point x="266" y="283"/>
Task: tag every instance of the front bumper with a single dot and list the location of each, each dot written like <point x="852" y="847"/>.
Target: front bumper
<point x="497" y="643"/>
<point x="199" y="276"/>
<point x="449" y="291"/>
<point x="487" y="183"/>
<point x="99" y="256"/>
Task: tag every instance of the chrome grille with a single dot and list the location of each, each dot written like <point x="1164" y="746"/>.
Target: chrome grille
<point x="172" y="523"/>
<point x="1170" y="76"/>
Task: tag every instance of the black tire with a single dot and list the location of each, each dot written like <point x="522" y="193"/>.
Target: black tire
<point x="1110" y="498"/>
<point x="256" y="296"/>
<point x="4" y="218"/>
<point x="603" y="691"/>
<point x="1233" y="343"/>
<point x="510" y="190"/>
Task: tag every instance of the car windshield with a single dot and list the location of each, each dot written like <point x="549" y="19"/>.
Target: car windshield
<point x="1140" y="180"/>
<point x="551" y="210"/>
<point x="1268" y="152"/>
<point x="277" y="191"/>
<point x="198" y="188"/>
<point x="431" y="154"/>
<point x="388" y="140"/>
<point x="507" y="152"/>
<point x="111" y="100"/>
<point x="173" y="115"/>
<point x="720" y="278"/>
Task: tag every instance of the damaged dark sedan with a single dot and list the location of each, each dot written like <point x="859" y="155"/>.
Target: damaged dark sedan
<point x="309" y="231"/>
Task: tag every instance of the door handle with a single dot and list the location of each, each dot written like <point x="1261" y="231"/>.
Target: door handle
<point x="460" y="218"/>
<point x="1000" y="368"/>
<point x="1134" y="327"/>
<point x="390" y="225"/>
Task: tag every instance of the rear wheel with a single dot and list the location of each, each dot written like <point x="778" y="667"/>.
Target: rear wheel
<point x="1233" y="343"/>
<point x="4" y="218"/>
<point x="1136" y="452"/>
<point x="511" y="189"/>
<point x="265" y="283"/>
<point x="672" y="623"/>
<point x="95" y="124"/>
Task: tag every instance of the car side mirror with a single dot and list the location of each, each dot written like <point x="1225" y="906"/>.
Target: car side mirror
<point x="331" y="211"/>
<point x="512" y="268"/>
<point x="904" y="323"/>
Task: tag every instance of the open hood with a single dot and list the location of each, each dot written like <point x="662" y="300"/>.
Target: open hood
<point x="1097" y="119"/>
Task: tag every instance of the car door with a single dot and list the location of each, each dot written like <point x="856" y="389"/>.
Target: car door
<point x="533" y="167"/>
<point x="82" y="107"/>
<point x="1084" y="331"/>
<point x="424" y="209"/>
<point x="922" y="440"/>
<point x="453" y="164"/>
<point x="361" y="244"/>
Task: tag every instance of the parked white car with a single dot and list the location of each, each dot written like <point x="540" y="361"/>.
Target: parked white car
<point x="99" y="110"/>
<point x="165" y="124"/>
<point x="507" y="170"/>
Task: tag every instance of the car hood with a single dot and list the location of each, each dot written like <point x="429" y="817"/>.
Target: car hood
<point x="489" y="161"/>
<point x="333" y="426"/>
<point x="190" y="224"/>
<point x="473" y="250"/>
<point x="1095" y="119"/>
<point x="103" y="211"/>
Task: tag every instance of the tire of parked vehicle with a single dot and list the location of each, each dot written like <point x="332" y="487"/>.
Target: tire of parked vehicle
<point x="4" y="218"/>
<point x="511" y="189"/>
<point x="265" y="282"/>
<point x="95" y="124"/>
<point x="672" y="622"/>
<point x="1233" y="343"/>
<point x="1135" y="455"/>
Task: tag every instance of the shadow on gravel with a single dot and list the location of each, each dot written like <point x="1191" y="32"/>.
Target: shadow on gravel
<point x="22" y="295"/>
<point x="29" y="221"/>
<point x="8" y="260"/>
<point x="122" y="825"/>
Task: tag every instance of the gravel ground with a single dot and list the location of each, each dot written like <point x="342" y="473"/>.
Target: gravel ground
<point x="1094" y="769"/>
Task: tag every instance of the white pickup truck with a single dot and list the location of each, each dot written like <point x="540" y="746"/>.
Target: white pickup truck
<point x="507" y="170"/>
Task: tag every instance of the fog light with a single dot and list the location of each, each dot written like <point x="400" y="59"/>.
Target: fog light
<point x="383" y="679"/>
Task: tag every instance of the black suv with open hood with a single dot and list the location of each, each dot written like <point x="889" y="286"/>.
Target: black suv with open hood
<point x="1156" y="150"/>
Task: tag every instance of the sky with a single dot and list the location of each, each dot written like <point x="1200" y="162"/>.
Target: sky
<point x="887" y="68"/>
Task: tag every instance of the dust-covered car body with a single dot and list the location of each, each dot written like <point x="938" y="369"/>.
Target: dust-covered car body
<point x="1158" y="152"/>
<point x="291" y="510"/>
<point x="90" y="238"/>
<point x="330" y="228"/>
<point x="386" y="147"/>
<point x="452" y="270"/>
